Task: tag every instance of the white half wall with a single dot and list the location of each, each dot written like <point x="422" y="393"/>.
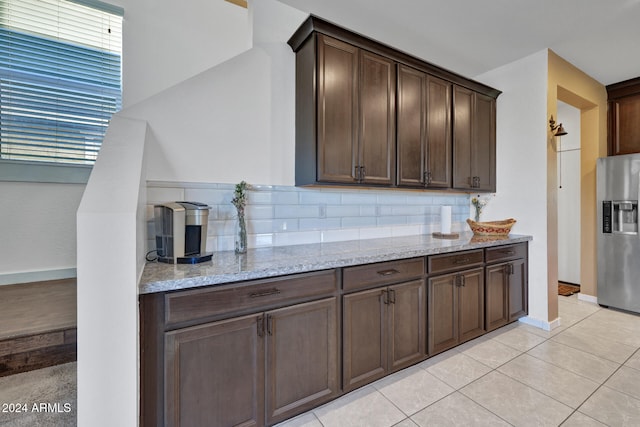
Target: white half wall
<point x="521" y="159"/>
<point x="111" y="248"/>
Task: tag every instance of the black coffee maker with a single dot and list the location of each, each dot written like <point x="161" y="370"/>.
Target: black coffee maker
<point x="181" y="232"/>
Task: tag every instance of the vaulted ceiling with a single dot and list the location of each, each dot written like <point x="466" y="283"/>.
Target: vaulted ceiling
<point x="470" y="37"/>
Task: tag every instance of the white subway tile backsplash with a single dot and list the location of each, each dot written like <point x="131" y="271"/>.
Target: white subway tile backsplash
<point x="308" y="196"/>
<point x="359" y="221"/>
<point x="337" y="211"/>
<point x="359" y="198"/>
<point x="319" y="223"/>
<point x="259" y="211"/>
<point x="282" y="215"/>
<point x="296" y="211"/>
<point x="375" y="232"/>
<point x="391" y="220"/>
<point x="340" y="235"/>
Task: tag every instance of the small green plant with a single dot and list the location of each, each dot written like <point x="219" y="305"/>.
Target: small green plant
<point x="240" y="201"/>
<point x="240" y="197"/>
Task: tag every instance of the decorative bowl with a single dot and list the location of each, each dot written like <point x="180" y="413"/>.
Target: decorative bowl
<point x="491" y="228"/>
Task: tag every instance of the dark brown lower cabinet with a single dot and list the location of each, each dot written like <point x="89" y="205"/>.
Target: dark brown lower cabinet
<point x="259" y="352"/>
<point x="301" y="357"/>
<point x="215" y="373"/>
<point x="506" y="293"/>
<point x="383" y="331"/>
<point x="456" y="308"/>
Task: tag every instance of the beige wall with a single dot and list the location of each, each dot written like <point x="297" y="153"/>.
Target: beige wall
<point x="572" y="86"/>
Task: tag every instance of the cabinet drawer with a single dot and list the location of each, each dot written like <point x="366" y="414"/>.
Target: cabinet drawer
<point x="382" y="273"/>
<point x="455" y="261"/>
<point x="501" y="253"/>
<point x="245" y="297"/>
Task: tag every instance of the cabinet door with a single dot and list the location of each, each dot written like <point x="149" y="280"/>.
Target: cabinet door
<point x="302" y="358"/>
<point x="337" y="110"/>
<point x="424" y="130"/>
<point x="411" y="127"/>
<point x="364" y="338"/>
<point x="438" y="133"/>
<point x="443" y="319"/>
<point x="474" y="141"/>
<point x="462" y="137"/>
<point x="496" y="296"/>
<point x="483" y="148"/>
<point x="624" y="125"/>
<point x="518" y="290"/>
<point x="377" y="119"/>
<point x="406" y="313"/>
<point x="471" y="305"/>
<point x="214" y="374"/>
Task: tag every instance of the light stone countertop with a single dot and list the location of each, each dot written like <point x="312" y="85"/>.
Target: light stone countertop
<point x="228" y="267"/>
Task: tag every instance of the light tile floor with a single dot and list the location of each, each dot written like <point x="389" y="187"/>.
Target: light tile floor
<point x="584" y="373"/>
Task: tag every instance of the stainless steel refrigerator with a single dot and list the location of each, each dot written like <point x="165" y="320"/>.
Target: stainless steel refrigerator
<point x="618" y="240"/>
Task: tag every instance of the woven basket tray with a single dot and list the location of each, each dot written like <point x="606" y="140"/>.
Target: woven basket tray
<point x="491" y="228"/>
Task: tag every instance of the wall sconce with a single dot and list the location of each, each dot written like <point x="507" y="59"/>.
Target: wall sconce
<point x="558" y="130"/>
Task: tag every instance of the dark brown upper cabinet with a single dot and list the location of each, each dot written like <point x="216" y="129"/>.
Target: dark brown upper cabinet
<point x="355" y="116"/>
<point x="350" y="90"/>
<point x="423" y="130"/>
<point x="624" y="117"/>
<point x="474" y="141"/>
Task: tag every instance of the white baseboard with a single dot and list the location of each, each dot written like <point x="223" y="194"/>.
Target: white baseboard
<point x="37" y="276"/>
<point x="587" y="298"/>
<point x="538" y="323"/>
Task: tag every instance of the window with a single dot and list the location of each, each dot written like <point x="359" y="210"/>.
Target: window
<point x="60" y="79"/>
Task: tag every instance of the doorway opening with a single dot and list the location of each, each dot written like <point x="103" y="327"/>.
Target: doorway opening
<point x="568" y="179"/>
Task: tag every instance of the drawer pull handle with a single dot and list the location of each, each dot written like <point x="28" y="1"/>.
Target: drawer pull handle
<point x="388" y="272"/>
<point x="508" y="252"/>
<point x="461" y="261"/>
<point x="265" y="293"/>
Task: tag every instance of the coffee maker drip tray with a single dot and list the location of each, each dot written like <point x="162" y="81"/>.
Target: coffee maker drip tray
<point x="194" y="259"/>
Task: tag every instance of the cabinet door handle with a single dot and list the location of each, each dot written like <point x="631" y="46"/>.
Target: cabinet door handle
<point x="461" y="260"/>
<point x="356" y="173"/>
<point x="511" y="270"/>
<point x="427" y="178"/>
<point x="269" y="324"/>
<point x="385" y="296"/>
<point x="265" y="293"/>
<point x="363" y="173"/>
<point x="261" y="326"/>
<point x="392" y="294"/>
<point x="388" y="272"/>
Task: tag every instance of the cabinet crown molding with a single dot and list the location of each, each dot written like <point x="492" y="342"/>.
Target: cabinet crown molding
<point x="318" y="25"/>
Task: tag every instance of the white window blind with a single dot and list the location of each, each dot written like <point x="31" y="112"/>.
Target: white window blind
<point x="60" y="79"/>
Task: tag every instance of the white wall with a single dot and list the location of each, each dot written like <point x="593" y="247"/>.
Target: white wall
<point x="38" y="229"/>
<point x="235" y="121"/>
<point x="166" y="41"/>
<point x="522" y="165"/>
<point x="569" y="195"/>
